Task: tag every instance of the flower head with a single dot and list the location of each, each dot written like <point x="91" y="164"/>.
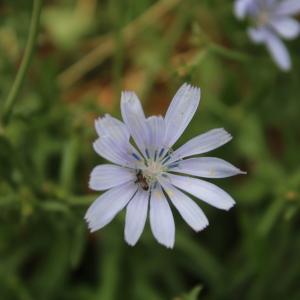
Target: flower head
<point x="272" y="20"/>
<point x="150" y="175"/>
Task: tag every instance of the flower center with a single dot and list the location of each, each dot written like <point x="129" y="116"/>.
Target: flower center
<point x="262" y="18"/>
<point x="152" y="167"/>
<point x="152" y="171"/>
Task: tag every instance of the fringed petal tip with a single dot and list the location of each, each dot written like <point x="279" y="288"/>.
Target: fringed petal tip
<point x="201" y="228"/>
<point x="180" y="112"/>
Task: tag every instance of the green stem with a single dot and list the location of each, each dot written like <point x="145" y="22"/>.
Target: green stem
<point x="13" y="93"/>
<point x="228" y="53"/>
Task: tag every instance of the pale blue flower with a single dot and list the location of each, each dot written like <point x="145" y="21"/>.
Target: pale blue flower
<point x="150" y="175"/>
<point x="272" y="20"/>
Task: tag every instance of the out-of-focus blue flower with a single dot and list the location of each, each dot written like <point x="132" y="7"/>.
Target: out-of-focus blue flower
<point x="272" y="20"/>
<point x="151" y="172"/>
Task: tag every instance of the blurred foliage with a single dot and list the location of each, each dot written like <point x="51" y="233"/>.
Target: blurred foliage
<point x="87" y="52"/>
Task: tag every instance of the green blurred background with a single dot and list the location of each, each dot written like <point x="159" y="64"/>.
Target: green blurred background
<point x="86" y="52"/>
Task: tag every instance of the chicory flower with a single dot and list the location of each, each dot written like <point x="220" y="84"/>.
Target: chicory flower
<point x="148" y="175"/>
<point x="272" y="21"/>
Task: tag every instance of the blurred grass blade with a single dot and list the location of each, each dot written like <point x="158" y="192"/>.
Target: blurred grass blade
<point x="193" y="294"/>
<point x="33" y="31"/>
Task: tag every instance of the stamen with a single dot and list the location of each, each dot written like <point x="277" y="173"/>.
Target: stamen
<point x="167" y="158"/>
<point x="147" y="153"/>
<point x="161" y="152"/>
<point x="135" y="156"/>
<point x="173" y="165"/>
<point x="155" y="154"/>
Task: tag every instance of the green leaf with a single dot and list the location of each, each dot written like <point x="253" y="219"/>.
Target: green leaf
<point x="192" y="295"/>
